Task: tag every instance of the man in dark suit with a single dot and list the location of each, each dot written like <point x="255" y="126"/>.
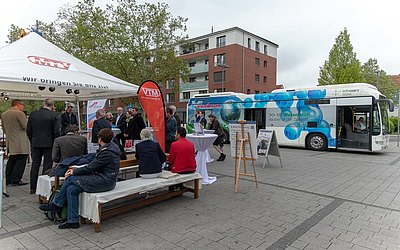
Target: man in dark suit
<point x="119" y="122"/>
<point x="99" y="124"/>
<point x="71" y="144"/>
<point x="68" y="118"/>
<point x="176" y="116"/>
<point x="43" y="127"/>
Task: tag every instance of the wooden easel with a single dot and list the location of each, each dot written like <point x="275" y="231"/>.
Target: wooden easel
<point x="240" y="155"/>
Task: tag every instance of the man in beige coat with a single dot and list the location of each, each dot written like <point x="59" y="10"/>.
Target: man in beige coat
<point x="14" y="124"/>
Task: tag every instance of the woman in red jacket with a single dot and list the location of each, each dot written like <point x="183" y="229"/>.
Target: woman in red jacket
<point x="181" y="156"/>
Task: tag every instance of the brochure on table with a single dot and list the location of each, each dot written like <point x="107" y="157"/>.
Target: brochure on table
<point x="249" y="128"/>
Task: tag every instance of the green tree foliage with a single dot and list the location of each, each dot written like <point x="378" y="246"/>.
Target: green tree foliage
<point x="342" y="65"/>
<point x="372" y="74"/>
<point x="134" y="42"/>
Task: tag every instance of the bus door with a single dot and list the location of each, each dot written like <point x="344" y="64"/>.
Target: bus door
<point x="354" y="123"/>
<point x="258" y="115"/>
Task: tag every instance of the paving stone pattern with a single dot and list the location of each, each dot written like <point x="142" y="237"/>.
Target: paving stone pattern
<point x="319" y="200"/>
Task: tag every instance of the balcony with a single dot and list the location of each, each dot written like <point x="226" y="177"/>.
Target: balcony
<point x="187" y="86"/>
<point x="199" y="69"/>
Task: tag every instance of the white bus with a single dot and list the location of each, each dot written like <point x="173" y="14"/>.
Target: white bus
<point x="346" y="116"/>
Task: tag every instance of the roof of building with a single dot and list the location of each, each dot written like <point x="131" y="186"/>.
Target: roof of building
<point x="232" y="29"/>
<point x="396" y="79"/>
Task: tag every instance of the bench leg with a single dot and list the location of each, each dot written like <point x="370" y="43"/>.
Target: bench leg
<point x="83" y="221"/>
<point x="97" y="226"/>
<point x="196" y="188"/>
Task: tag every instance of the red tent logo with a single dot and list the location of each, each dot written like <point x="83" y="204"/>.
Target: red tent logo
<point x="49" y="62"/>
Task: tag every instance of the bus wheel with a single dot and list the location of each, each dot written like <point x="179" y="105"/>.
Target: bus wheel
<point x="316" y="142"/>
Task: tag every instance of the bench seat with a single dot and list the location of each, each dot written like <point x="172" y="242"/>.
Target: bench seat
<point x="91" y="204"/>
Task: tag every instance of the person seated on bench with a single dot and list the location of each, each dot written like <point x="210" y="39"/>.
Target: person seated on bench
<point x="71" y="144"/>
<point x="181" y="156"/>
<point x="359" y="125"/>
<point x="100" y="175"/>
<point x="150" y="156"/>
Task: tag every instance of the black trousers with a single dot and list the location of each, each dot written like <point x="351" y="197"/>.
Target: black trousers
<point x="37" y="154"/>
<point x="15" y="168"/>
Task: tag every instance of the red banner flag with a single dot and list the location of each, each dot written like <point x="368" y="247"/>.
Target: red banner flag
<point x="152" y="102"/>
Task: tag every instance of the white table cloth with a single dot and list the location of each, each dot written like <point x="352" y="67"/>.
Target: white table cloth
<point x="45" y="184"/>
<point x="201" y="144"/>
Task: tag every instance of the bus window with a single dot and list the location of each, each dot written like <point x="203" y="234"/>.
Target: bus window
<point x="376" y="122"/>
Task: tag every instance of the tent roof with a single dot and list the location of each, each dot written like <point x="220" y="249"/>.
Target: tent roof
<point x="33" y="62"/>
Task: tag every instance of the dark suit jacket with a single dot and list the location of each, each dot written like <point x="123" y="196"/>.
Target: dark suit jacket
<point x="69" y="145"/>
<point x="178" y="120"/>
<point x="138" y="125"/>
<point x="150" y="156"/>
<point x="121" y="122"/>
<point x="98" y="125"/>
<point x="67" y="120"/>
<point x="43" y="127"/>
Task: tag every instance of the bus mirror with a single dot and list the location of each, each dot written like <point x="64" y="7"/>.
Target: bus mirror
<point x="389" y="102"/>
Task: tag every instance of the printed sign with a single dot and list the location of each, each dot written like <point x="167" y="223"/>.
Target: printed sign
<point x="249" y="129"/>
<point x="92" y="107"/>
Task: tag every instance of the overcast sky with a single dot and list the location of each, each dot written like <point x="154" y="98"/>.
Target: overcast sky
<point x="304" y="30"/>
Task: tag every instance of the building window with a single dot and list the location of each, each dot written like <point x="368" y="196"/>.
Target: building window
<point x="110" y="102"/>
<point x="170" y="97"/>
<point x="265" y="79"/>
<point x="206" y="62"/>
<point x="206" y="78"/>
<point x="249" y="43"/>
<point x="257" y="46"/>
<point x="206" y="46"/>
<point x="170" y="84"/>
<point x="265" y="49"/>
<point x="192" y="64"/>
<point x="221" y="41"/>
<point x="219" y="60"/>
<point x="248" y="91"/>
<point x="219" y="90"/>
<point x="219" y="76"/>
<point x="257" y="61"/>
<point x="265" y="64"/>
<point x="257" y="92"/>
<point x="257" y="77"/>
<point x="203" y="91"/>
<point x="186" y="95"/>
<point x="192" y="79"/>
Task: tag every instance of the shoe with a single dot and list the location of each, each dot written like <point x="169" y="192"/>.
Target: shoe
<point x="223" y="156"/>
<point x="33" y="191"/>
<point x="220" y="158"/>
<point x="20" y="183"/>
<point x="50" y="207"/>
<point x="69" y="225"/>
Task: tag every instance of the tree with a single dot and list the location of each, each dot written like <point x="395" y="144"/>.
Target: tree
<point x="134" y="42"/>
<point x="372" y="74"/>
<point x="342" y="65"/>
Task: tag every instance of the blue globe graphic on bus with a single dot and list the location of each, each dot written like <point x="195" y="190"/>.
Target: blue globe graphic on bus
<point x="230" y="111"/>
<point x="292" y="131"/>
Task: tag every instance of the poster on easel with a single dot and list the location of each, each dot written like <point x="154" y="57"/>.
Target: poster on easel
<point x="249" y="128"/>
<point x="267" y="144"/>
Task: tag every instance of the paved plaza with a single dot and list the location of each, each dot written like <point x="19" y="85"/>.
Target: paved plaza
<point x="318" y="200"/>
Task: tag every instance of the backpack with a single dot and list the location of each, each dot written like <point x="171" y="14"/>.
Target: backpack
<point x="58" y="218"/>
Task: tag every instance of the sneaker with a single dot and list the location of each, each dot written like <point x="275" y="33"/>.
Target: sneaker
<point x="50" y="207"/>
<point x="69" y="225"/>
<point x="223" y="156"/>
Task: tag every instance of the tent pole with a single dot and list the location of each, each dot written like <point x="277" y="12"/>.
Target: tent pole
<point x="79" y="114"/>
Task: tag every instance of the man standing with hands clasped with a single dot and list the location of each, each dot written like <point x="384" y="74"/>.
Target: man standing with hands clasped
<point x="14" y="123"/>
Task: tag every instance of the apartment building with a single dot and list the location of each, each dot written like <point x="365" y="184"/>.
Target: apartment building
<point x="228" y="60"/>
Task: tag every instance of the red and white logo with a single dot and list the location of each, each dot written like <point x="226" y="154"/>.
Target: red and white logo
<point x="94" y="104"/>
<point x="151" y="92"/>
<point x="49" y="62"/>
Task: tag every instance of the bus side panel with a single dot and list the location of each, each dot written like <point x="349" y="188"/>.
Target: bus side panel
<point x="292" y="124"/>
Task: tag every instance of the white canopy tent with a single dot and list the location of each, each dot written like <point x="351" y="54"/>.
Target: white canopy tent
<point x="34" y="69"/>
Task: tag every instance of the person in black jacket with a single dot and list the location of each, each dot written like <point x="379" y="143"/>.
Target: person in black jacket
<point x="43" y="127"/>
<point x="138" y="124"/>
<point x="99" y="124"/>
<point x="150" y="155"/>
<point x="100" y="175"/>
<point x="119" y="122"/>
<point x="128" y="126"/>
<point x="68" y="118"/>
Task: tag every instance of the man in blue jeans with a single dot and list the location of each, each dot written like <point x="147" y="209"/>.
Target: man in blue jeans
<point x="100" y="175"/>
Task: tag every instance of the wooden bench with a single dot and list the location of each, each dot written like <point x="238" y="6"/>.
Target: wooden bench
<point x="94" y="207"/>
